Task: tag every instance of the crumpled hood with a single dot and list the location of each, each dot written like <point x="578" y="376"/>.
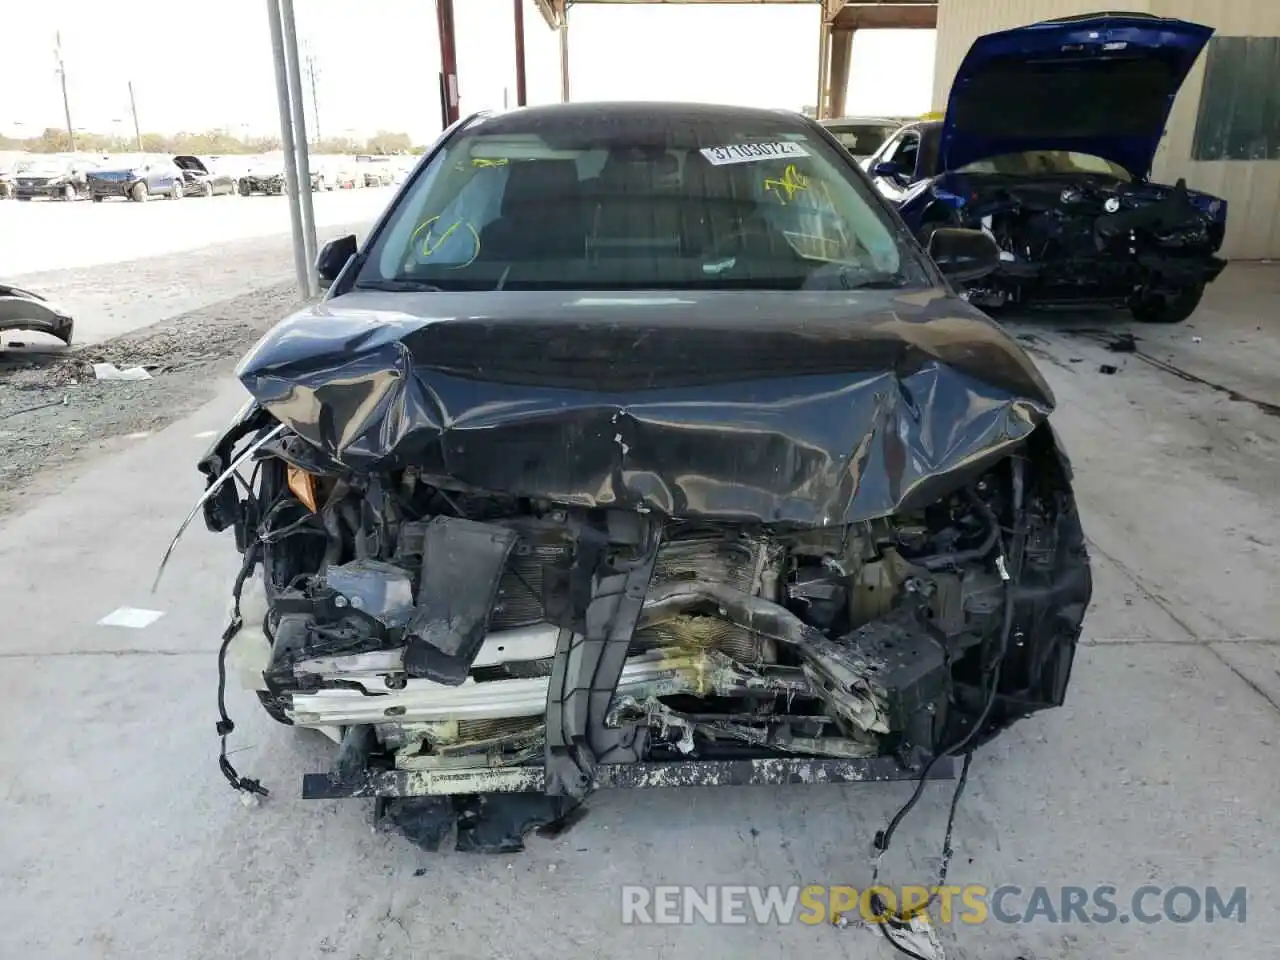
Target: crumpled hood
<point x="804" y="408"/>
<point x="1101" y="84"/>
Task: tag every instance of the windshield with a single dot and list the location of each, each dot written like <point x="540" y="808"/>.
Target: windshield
<point x="638" y="201"/>
<point x="125" y="161"/>
<point x="862" y="140"/>
<point x="48" y="168"/>
<point x="1038" y="163"/>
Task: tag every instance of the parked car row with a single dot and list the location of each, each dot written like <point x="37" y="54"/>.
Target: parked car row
<point x="140" y="177"/>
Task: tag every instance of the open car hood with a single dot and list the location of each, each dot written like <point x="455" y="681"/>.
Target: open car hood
<point x="805" y="409"/>
<point x="191" y="164"/>
<point x="1101" y="84"/>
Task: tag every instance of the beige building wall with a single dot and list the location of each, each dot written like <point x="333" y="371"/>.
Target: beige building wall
<point x="1252" y="188"/>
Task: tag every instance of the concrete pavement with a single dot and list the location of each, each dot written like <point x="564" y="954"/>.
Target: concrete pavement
<point x="121" y="839"/>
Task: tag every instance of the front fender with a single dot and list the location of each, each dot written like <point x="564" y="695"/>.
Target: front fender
<point x="224" y="509"/>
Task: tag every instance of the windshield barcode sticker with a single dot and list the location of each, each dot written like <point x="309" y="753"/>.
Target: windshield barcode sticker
<point x="751" y="152"/>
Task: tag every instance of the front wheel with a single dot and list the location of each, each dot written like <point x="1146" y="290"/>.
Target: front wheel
<point x="176" y="193"/>
<point x="140" y="193"/>
<point x="69" y="192"/>
<point x="1167" y="309"/>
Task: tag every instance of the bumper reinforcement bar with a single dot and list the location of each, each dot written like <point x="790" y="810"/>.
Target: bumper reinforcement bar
<point x="694" y="773"/>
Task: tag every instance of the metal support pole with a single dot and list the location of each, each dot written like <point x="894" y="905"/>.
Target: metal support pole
<point x="133" y="106"/>
<point x="286" y="142"/>
<point x="521" y="92"/>
<point x="448" y="59"/>
<point x="564" y="54"/>
<point x="838" y="73"/>
<point x="298" y="100"/>
<point x="824" y="47"/>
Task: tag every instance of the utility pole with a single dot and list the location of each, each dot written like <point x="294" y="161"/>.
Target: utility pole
<point x="315" y="101"/>
<point x="62" y="75"/>
<point x="133" y="106"/>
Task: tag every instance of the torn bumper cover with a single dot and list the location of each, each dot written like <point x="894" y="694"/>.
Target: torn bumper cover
<point x="796" y="554"/>
<point x="24" y="310"/>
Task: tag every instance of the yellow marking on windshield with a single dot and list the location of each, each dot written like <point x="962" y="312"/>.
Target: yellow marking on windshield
<point x="786" y="186"/>
<point x="488" y="162"/>
<point x="431" y="243"/>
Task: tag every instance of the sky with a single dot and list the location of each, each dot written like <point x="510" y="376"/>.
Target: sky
<point x="377" y="63"/>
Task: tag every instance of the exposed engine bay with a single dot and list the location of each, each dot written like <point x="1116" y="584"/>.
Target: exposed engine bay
<point x="457" y="643"/>
<point x="1093" y="240"/>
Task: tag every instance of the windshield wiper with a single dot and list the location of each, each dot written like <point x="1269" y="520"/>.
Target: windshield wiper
<point x="840" y="276"/>
<point x="398" y="285"/>
<point x="886" y="281"/>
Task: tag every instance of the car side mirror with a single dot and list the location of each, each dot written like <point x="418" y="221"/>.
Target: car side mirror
<point x="333" y="257"/>
<point x="887" y="168"/>
<point x="963" y="254"/>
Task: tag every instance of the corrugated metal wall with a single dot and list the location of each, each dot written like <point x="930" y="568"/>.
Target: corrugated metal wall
<point x="1251" y="187"/>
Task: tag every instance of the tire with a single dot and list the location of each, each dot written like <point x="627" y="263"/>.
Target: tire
<point x="177" y="192"/>
<point x="69" y="192"/>
<point x="1174" y="309"/>
<point x="139" y="192"/>
<point x="207" y="189"/>
<point x="96" y="199"/>
<point x="243" y="189"/>
<point x="24" y="199"/>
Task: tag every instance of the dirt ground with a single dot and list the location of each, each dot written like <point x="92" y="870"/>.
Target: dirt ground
<point x="53" y="412"/>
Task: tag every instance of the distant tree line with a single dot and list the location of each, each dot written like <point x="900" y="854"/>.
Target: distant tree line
<point x="211" y="142"/>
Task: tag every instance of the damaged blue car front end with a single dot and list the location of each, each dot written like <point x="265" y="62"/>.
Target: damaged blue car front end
<point x="1048" y="142"/>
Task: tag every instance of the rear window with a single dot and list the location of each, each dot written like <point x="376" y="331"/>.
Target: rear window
<point x="635" y="203"/>
<point x="864" y="139"/>
<point x="1039" y="163"/>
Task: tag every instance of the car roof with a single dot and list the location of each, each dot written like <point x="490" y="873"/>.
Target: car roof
<point x="852" y="121"/>
<point x="521" y="119"/>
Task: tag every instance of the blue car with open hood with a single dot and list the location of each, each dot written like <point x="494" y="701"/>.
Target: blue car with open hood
<point x="1047" y="145"/>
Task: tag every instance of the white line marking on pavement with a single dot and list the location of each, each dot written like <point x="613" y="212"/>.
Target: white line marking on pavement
<point x="204" y="433"/>
<point x="134" y="617"/>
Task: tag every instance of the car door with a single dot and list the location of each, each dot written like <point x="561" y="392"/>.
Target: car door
<point x="160" y="177"/>
<point x="903" y="151"/>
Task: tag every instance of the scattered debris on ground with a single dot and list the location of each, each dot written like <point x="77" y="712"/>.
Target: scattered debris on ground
<point x="1108" y="369"/>
<point x="109" y="371"/>
<point x="1124" y="343"/>
<point x="56" y="408"/>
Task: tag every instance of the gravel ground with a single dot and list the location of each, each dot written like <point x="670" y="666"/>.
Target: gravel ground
<point x="54" y="412"/>
<point x="185" y="315"/>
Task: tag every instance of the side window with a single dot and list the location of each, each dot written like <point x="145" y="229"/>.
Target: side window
<point x="906" y="153"/>
<point x="929" y="148"/>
